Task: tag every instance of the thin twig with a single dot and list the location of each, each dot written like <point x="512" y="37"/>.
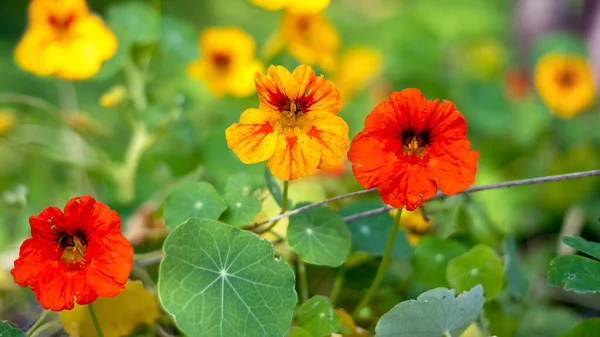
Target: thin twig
<point x="145" y="262"/>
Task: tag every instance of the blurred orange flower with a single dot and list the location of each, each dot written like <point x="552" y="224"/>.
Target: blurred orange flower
<point x="296" y="6"/>
<point x="295" y="128"/>
<point x="228" y="62"/>
<point x="565" y="83"/>
<point x="409" y="146"/>
<point x="517" y="83"/>
<point x="415" y="224"/>
<point x="74" y="256"/>
<point x="64" y="39"/>
<point x="310" y="38"/>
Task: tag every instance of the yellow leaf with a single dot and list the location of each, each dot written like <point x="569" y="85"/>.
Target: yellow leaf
<point x="118" y="316"/>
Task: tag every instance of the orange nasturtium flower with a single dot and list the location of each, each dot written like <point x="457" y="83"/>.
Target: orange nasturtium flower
<point x="297" y="6"/>
<point x="228" y="63"/>
<point x="295" y="127"/>
<point x="565" y="83"/>
<point x="410" y="146"/>
<point x="64" y="39"/>
<point x="74" y="256"/>
<point x="310" y="38"/>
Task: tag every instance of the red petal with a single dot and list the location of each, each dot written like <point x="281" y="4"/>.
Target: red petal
<point x="110" y="261"/>
<point x="47" y="224"/>
<point x="409" y="188"/>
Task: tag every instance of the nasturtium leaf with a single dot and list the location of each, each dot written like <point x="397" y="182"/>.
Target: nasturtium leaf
<point x="238" y="185"/>
<point x="298" y="332"/>
<point x="480" y="265"/>
<point x="274" y="187"/>
<point x="434" y="313"/>
<point x="118" y="315"/>
<point x="500" y="323"/>
<point x="222" y="281"/>
<point x="7" y="329"/>
<point x="516" y="279"/>
<point x="318" y="317"/>
<point x="431" y="257"/>
<point x="370" y="234"/>
<point x="577" y="273"/>
<point x="193" y="200"/>
<point x="588" y="328"/>
<point x="134" y="21"/>
<point x="320" y="236"/>
<point x="241" y="210"/>
<point x="178" y="38"/>
<point x="581" y="244"/>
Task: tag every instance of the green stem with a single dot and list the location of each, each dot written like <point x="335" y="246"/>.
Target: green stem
<point x="483" y="323"/>
<point x="136" y="84"/>
<point x="338" y="282"/>
<point x="284" y="204"/>
<point x="95" y="321"/>
<point x="38" y="322"/>
<point x="382" y="267"/>
<point x="302" y="280"/>
<point x="446" y="334"/>
<point x="45" y="327"/>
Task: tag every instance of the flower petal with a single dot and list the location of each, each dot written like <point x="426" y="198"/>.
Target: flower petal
<point x="319" y="94"/>
<point x="109" y="263"/>
<point x="404" y="110"/>
<point x="57" y="290"/>
<point x="48" y="223"/>
<point x="372" y="157"/>
<point x="332" y="133"/>
<point x="408" y="188"/>
<point x="454" y="166"/>
<point x="35" y="256"/>
<point x="276" y="88"/>
<point x="295" y="157"/>
<point x="253" y="139"/>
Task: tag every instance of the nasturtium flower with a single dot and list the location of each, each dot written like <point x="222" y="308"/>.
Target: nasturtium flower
<point x="410" y="146"/>
<point x="228" y="62"/>
<point x="7" y="120"/>
<point x="565" y="83"/>
<point x="357" y="66"/>
<point x="310" y="38"/>
<point x="295" y="127"/>
<point x="64" y="39"/>
<point x="115" y="95"/>
<point x="415" y="224"/>
<point x="74" y="256"/>
<point x="296" y="6"/>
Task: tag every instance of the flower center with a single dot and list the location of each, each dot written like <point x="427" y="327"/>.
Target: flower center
<point x="414" y="145"/>
<point x="292" y="117"/>
<point x="74" y="246"/>
<point x="303" y="23"/>
<point x="221" y="61"/>
<point x="61" y="25"/>
<point x="566" y="79"/>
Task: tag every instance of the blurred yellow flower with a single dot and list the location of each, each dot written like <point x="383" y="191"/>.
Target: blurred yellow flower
<point x="310" y="38"/>
<point x="414" y="223"/>
<point x="296" y="6"/>
<point x="64" y="39"/>
<point x="228" y="62"/>
<point x="7" y="120"/>
<point x="357" y="66"/>
<point x="565" y="83"/>
<point x="113" y="96"/>
<point x="118" y="316"/>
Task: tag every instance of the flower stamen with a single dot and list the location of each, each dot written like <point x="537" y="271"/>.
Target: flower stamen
<point x="414" y="146"/>
<point x="74" y="246"/>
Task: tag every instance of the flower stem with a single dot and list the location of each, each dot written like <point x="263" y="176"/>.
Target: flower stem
<point x="302" y="280"/>
<point x="382" y="267"/>
<point x="338" y="282"/>
<point x="41" y="331"/>
<point x="284" y="204"/>
<point x="38" y="322"/>
<point x="95" y="321"/>
<point x="446" y="334"/>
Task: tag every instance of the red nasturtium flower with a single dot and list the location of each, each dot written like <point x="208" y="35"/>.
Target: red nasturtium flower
<point x="410" y="146"/>
<point x="295" y="127"/>
<point x="75" y="256"/>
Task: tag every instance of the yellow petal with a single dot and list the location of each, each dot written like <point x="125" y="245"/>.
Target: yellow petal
<point x="331" y="132"/>
<point x="252" y="139"/>
<point x="118" y="316"/>
<point x="115" y="95"/>
<point x="308" y="6"/>
<point x="95" y="31"/>
<point x="81" y="61"/>
<point x="7" y="120"/>
<point x="241" y="79"/>
<point x="35" y="54"/>
<point x="276" y="83"/>
<point x="357" y="66"/>
<point x="40" y="10"/>
<point x="232" y="41"/>
<point x="295" y="157"/>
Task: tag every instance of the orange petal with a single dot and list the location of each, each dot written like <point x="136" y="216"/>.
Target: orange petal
<point x="295" y="157"/>
<point x="318" y="93"/>
<point x="253" y="139"/>
<point x="108" y="270"/>
<point x="453" y="167"/>
<point x="372" y="159"/>
<point x="332" y="133"/>
<point x="276" y="88"/>
<point x="409" y="188"/>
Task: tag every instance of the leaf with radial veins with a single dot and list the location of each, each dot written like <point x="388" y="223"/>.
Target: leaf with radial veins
<point x="480" y="265"/>
<point x="193" y="200"/>
<point x="320" y="236"/>
<point x="318" y="317"/>
<point x="434" y="313"/>
<point x="218" y="280"/>
<point x="578" y="273"/>
<point x="431" y="257"/>
<point x="7" y="329"/>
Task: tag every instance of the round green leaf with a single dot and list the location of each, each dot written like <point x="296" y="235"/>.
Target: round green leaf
<point x="239" y="185"/>
<point x="434" y="313"/>
<point x="370" y="234"/>
<point x="588" y="328"/>
<point x="589" y="247"/>
<point x="241" y="210"/>
<point x="222" y="281"/>
<point x="480" y="265"/>
<point x="431" y="256"/>
<point x="7" y="329"/>
<point x="317" y="317"/>
<point x="298" y="332"/>
<point x="178" y="38"/>
<point x="134" y="22"/>
<point x="320" y="236"/>
<point x="577" y="273"/>
<point x="193" y="200"/>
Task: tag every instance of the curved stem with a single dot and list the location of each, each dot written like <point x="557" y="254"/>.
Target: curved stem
<point x="31" y="101"/>
<point x="38" y="322"/>
<point x="382" y="267"/>
<point x="284" y="205"/>
<point x="302" y="280"/>
<point x="45" y="327"/>
<point x="95" y="321"/>
<point x="338" y="282"/>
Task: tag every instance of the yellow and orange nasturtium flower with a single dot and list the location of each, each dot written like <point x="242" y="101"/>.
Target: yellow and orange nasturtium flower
<point x="310" y="38"/>
<point x="64" y="39"/>
<point x="296" y="6"/>
<point x="295" y="127"/>
<point x="228" y="61"/>
<point x="565" y="83"/>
